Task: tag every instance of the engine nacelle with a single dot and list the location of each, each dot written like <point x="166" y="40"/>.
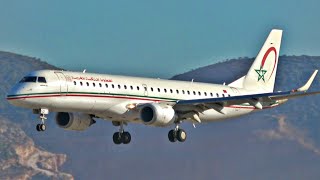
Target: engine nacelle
<point x="74" y="121"/>
<point x="157" y="114"/>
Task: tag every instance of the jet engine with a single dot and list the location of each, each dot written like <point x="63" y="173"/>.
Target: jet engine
<point x="157" y="114"/>
<point x="74" y="121"/>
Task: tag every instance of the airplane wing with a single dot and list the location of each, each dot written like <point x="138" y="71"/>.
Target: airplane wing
<point x="247" y="98"/>
<point x="255" y="100"/>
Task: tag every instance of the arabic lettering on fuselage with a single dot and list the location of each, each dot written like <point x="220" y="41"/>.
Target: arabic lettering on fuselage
<point x="91" y="79"/>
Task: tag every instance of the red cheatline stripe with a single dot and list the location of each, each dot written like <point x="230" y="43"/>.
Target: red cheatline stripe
<point x="122" y="97"/>
<point x="82" y="95"/>
<point x="28" y="97"/>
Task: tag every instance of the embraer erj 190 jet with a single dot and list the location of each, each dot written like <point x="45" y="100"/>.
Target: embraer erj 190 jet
<point x="79" y="98"/>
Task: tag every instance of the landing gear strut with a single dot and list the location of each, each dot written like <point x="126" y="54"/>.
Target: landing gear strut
<point x="177" y="134"/>
<point x="42" y="116"/>
<point x="121" y="136"/>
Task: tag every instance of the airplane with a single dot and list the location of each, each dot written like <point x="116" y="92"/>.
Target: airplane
<point x="79" y="98"/>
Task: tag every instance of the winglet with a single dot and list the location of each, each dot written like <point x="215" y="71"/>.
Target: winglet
<point x="309" y="82"/>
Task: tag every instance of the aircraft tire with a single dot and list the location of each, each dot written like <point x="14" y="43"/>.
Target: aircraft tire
<point x="126" y="138"/>
<point x="42" y="127"/>
<point x="38" y="127"/>
<point x="171" y="136"/>
<point x="116" y="138"/>
<point x="181" y="135"/>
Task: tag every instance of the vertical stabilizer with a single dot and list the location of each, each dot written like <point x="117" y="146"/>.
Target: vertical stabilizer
<point x="262" y="73"/>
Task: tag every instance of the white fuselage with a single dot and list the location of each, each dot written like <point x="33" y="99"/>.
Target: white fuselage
<point x="108" y="96"/>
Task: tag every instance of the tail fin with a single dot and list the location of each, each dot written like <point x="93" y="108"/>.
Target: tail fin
<point x="262" y="73"/>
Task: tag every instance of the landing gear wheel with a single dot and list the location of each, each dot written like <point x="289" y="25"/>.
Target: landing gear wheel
<point x="117" y="138"/>
<point x="181" y="135"/>
<point x="172" y="136"/>
<point x="42" y="127"/>
<point x="126" y="137"/>
<point x="38" y="127"/>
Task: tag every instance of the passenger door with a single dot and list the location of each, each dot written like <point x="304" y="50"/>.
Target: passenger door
<point x="63" y="83"/>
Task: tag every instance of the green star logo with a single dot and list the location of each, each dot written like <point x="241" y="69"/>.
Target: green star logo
<point x="261" y="74"/>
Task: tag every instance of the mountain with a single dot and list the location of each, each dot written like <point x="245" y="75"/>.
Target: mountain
<point x="280" y="143"/>
<point x="21" y="159"/>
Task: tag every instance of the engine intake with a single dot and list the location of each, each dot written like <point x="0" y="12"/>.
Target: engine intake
<point x="157" y="114"/>
<point x="74" y="121"/>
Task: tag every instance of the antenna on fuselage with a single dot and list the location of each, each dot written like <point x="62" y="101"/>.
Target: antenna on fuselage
<point x="84" y="71"/>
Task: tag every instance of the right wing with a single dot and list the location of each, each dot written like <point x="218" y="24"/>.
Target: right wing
<point x="253" y="99"/>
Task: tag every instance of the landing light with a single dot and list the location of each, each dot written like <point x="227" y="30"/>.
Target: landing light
<point x="131" y="106"/>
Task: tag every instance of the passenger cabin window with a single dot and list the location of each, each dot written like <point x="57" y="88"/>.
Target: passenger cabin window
<point x="94" y="84"/>
<point x="158" y="89"/>
<point x="138" y="88"/>
<point x="42" y="80"/>
<point x="125" y="86"/>
<point x="106" y="85"/>
<point x="81" y="83"/>
<point x="75" y="83"/>
<point x="87" y="84"/>
<point x="165" y="90"/>
<point x="100" y="84"/>
<point x="29" y="79"/>
<point x="119" y="86"/>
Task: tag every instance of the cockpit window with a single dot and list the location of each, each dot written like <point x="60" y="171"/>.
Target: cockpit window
<point x="42" y="80"/>
<point x="33" y="79"/>
<point x="29" y="79"/>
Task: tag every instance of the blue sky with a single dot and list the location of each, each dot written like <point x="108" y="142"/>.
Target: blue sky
<point x="153" y="38"/>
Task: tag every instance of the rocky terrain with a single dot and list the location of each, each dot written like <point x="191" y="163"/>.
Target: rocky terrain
<point x="20" y="158"/>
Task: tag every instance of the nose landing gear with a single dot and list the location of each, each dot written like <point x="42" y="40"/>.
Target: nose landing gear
<point x="42" y="116"/>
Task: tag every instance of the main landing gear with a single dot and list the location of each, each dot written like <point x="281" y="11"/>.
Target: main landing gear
<point x="42" y="116"/>
<point x="121" y="136"/>
<point x="177" y="134"/>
